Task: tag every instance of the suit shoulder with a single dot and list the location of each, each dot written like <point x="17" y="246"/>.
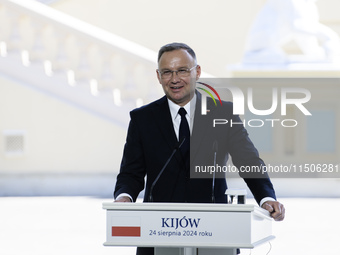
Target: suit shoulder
<point x="226" y="105"/>
<point x="147" y="109"/>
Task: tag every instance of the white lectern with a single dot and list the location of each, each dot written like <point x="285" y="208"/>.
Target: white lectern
<point x="187" y="229"/>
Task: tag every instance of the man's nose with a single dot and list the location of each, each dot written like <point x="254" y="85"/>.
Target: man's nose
<point x="175" y="78"/>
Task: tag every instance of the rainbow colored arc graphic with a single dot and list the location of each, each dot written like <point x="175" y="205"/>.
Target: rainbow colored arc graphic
<point x="208" y="92"/>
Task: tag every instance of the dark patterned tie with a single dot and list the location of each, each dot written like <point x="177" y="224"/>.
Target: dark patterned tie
<point x="184" y="131"/>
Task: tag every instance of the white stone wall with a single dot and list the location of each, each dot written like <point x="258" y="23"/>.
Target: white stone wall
<point x="58" y="137"/>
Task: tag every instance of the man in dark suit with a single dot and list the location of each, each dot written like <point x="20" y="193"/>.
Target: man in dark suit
<point x="156" y="129"/>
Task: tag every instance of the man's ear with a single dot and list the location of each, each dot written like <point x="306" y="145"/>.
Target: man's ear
<point x="198" y="72"/>
<point x="158" y="77"/>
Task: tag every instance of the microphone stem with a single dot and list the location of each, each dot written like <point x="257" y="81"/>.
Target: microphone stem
<point x="213" y="182"/>
<point x="162" y="170"/>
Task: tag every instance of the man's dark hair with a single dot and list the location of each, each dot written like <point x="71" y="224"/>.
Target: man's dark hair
<point x="176" y="46"/>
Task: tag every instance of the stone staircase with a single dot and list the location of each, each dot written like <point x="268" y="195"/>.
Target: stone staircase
<point x="75" y="61"/>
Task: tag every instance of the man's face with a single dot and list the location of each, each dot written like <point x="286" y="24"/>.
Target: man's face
<point x="177" y="88"/>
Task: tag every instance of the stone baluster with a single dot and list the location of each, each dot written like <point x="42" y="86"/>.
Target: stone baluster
<point x="38" y="50"/>
<point x="107" y="82"/>
<point x="14" y="41"/>
<point x="60" y="62"/>
<point x="106" y="76"/>
<point x="120" y="74"/>
<point x="4" y="30"/>
<point x="83" y="72"/>
<point x="140" y="80"/>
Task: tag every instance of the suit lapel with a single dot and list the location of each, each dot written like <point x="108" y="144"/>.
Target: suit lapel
<point x="200" y="128"/>
<point x="163" y="119"/>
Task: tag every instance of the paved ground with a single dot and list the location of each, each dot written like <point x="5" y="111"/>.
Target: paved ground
<point x="76" y="225"/>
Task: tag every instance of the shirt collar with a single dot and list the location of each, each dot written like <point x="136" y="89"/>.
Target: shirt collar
<point x="189" y="107"/>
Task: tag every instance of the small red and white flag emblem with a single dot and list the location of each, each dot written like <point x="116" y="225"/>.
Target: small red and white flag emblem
<point x="126" y="226"/>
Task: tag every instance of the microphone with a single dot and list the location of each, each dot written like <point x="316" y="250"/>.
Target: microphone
<point x="215" y="149"/>
<point x="178" y="146"/>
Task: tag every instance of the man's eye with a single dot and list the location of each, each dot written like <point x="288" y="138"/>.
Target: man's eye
<point x="166" y="72"/>
<point x="182" y="71"/>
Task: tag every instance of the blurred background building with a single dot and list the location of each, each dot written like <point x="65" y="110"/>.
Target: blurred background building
<point x="71" y="70"/>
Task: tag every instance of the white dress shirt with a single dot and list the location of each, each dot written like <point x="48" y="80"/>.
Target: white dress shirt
<point x="176" y="118"/>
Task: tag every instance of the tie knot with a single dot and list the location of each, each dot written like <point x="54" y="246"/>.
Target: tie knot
<point x="182" y="112"/>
